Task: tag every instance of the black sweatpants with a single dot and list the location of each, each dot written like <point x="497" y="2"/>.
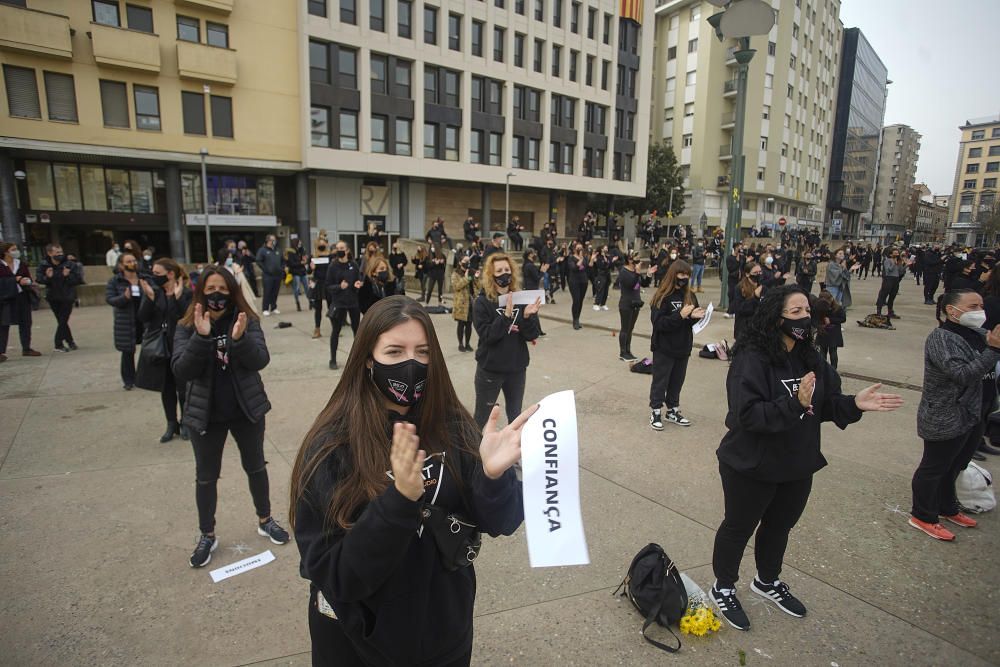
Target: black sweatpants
<point x="668" y="378"/>
<point x="578" y="290"/>
<point x="887" y="293"/>
<point x="770" y="508"/>
<point x="62" y="310"/>
<point x="171" y="395"/>
<point x="488" y="387"/>
<point x="272" y="285"/>
<point x="464" y="330"/>
<point x="827" y="350"/>
<point x="338" y="318"/>
<point x="208" y="466"/>
<point x="317" y="304"/>
<point x="934" y="480"/>
<point x="628" y="317"/>
<point x="601" y="285"/>
<point x="435" y="278"/>
<point x="931" y="282"/>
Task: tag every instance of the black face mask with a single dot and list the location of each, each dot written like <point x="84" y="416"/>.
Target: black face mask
<point x="217" y="301"/>
<point x="340" y="253"/>
<point x="755" y="277"/>
<point x="159" y="281"/>
<point x="382" y="275"/>
<point x="503" y="280"/>
<point x="798" y="329"/>
<point x="401" y="383"/>
<point x="682" y="282"/>
<point x="322" y="247"/>
<point x="59" y="259"/>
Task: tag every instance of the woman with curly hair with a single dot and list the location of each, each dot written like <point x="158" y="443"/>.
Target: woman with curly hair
<point x="780" y="391"/>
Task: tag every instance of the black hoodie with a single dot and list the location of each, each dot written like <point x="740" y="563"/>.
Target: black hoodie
<point x="672" y="334"/>
<point x="503" y="342"/>
<point x="384" y="577"/>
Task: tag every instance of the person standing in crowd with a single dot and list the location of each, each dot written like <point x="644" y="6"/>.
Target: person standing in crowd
<point x="377" y="284"/>
<point x="966" y="278"/>
<point x="893" y="270"/>
<point x="15" y="300"/>
<point x="630" y="283"/>
<point x="435" y="268"/>
<point x="674" y="311"/>
<point x="748" y="295"/>
<point x="828" y="316"/>
<point x="496" y="245"/>
<point x="514" y="230"/>
<point x="165" y="302"/>
<point x="319" y="265"/>
<point x="124" y="294"/>
<point x="504" y="333"/>
<point x="420" y="266"/>
<point x="577" y="267"/>
<point x="436" y="235"/>
<point x="270" y="267"/>
<point x="532" y="275"/>
<point x="226" y="257"/>
<point x="364" y="514"/>
<point x="780" y="391"/>
<point x="735" y="269"/>
<point x="470" y="230"/>
<point x="343" y="280"/>
<point x="398" y="262"/>
<point x="917" y="267"/>
<point x="822" y="267"/>
<point x="933" y="265"/>
<point x="697" y="265"/>
<point x="838" y="278"/>
<point x="806" y="271"/>
<point x="296" y="262"/>
<point x="960" y="361"/>
<point x="219" y="351"/>
<point x="372" y="250"/>
<point x="111" y="257"/>
<point x="464" y="284"/>
<point x="60" y="277"/>
<point x="600" y="265"/>
<point x="246" y="259"/>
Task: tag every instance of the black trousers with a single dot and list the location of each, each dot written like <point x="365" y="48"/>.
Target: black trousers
<point x="171" y="395"/>
<point x="628" y="317"/>
<point x="252" y="279"/>
<point x="577" y="290"/>
<point x="930" y="286"/>
<point x="23" y="308"/>
<point x="272" y="285"/>
<point x="668" y="378"/>
<point x="208" y="466"/>
<point x="62" y="310"/>
<point x="806" y="283"/>
<point x="516" y="241"/>
<point x="338" y="318"/>
<point x="435" y="278"/>
<point x="917" y="273"/>
<point x="934" y="480"/>
<point x="464" y="332"/>
<point x="488" y="387"/>
<point x="825" y="350"/>
<point x="601" y="284"/>
<point x="127" y="366"/>
<point x="770" y="508"/>
<point x="887" y="293"/>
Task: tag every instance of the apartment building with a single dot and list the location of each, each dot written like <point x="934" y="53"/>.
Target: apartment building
<point x="857" y="136"/>
<point x="791" y="89"/>
<point x="895" y="203"/>
<point x="424" y="109"/>
<point x="930" y="222"/>
<point x="107" y="106"/>
<point x="974" y="194"/>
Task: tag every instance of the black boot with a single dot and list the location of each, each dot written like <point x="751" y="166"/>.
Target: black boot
<point x="577" y="325"/>
<point x="172" y="430"/>
<point x="185" y="435"/>
<point x="298" y="306"/>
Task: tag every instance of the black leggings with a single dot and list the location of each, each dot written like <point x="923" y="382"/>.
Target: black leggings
<point x="668" y="378"/>
<point x="488" y="387"/>
<point x="887" y="294"/>
<point x="825" y="350"/>
<point x="317" y="303"/>
<point x="127" y="366"/>
<point x="601" y="290"/>
<point x="208" y="466"/>
<point x="62" y="310"/>
<point x="338" y="319"/>
<point x="171" y="395"/>
<point x="770" y="508"/>
<point x="628" y="318"/>
<point x="435" y="277"/>
<point x="578" y="290"/>
<point x="464" y="332"/>
<point x="934" y="481"/>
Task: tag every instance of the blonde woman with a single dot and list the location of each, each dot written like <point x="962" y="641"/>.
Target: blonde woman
<point x="502" y="356"/>
<point x="378" y="283"/>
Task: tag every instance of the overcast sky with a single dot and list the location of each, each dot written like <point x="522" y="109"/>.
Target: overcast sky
<point x="944" y="63"/>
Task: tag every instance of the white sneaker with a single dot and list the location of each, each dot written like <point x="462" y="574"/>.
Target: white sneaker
<point x="604" y="307"/>
<point x="596" y="307"/>
<point x="276" y="312"/>
<point x="267" y="313"/>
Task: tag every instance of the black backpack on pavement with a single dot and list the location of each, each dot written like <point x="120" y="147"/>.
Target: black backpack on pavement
<point x="654" y="586"/>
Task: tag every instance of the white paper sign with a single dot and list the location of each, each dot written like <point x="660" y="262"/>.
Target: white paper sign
<point x="241" y="566"/>
<point x="703" y="322"/>
<point x="550" y="464"/>
<point x="522" y="298"/>
<point x="325" y="259"/>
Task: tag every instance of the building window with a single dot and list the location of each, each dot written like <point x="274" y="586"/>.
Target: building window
<point x="452" y="92"/>
<point x="431" y="85"/>
<point x="574" y="18"/>
<point x="495" y="105"/>
<point x="193" y="112"/>
<point x="450" y="143"/>
<point x="537" y="60"/>
<point x="994" y="151"/>
<point x="557" y="9"/>
<point x="671" y="84"/>
<point x="222" y="116"/>
<point x="693" y="45"/>
<point x="556" y="60"/>
<point x="404" y="142"/>
<point x="534" y="148"/>
<point x="403" y="78"/>
<point x="687" y="141"/>
<point x="772" y="48"/>
<point x="498" y="37"/>
<point x="139" y="18"/>
<point x="518" y="50"/>
<point x="766" y="113"/>
<point x="147" y="107"/>
<point x="496" y="148"/>
<point x="589" y="71"/>
<point x="992" y="166"/>
<point x="217" y="34"/>
<point x="607" y="30"/>
<point x="476" y="147"/>
<point x="761" y="173"/>
<point x="539" y="10"/>
<point x="605" y="70"/>
<point x="988" y="183"/>
<point x="689" y="109"/>
<point x="671" y="53"/>
<point x="591" y="22"/>
<point x="106" y="12"/>
<point x="188" y="29"/>
<point x="430" y="140"/>
<point x="430" y="25"/>
<point x="574" y="56"/>
<point x="972" y="168"/>
<point x="60" y="95"/>
<point x="995" y="133"/>
<point x="376" y="15"/>
<point x="477" y="38"/>
<point x="966" y="185"/>
<point x="317" y="7"/>
<point x="114" y="103"/>
<point x="976" y="152"/>
<point x="689" y="80"/>
<point x="517" y="153"/>
<point x="349" y="130"/>
<point x="404" y="18"/>
<point x="348" y="12"/>
<point x="477" y="93"/>
<point x="378" y="133"/>
<point x="455" y="32"/>
<point x="763" y="143"/>
<point x="319" y="123"/>
<point x="379" y="67"/>
<point x="347" y="67"/>
<point x="319" y="62"/>
<point x="978" y="134"/>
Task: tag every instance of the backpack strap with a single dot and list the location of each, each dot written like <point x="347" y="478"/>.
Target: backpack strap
<point x="651" y="618"/>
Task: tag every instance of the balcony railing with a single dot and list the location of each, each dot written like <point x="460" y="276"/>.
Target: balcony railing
<point x="120" y="47"/>
<point x="206" y="63"/>
<point x="34" y="31"/>
<point x="216" y="5"/>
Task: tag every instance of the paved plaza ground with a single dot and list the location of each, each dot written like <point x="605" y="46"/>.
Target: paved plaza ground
<point x="98" y="518"/>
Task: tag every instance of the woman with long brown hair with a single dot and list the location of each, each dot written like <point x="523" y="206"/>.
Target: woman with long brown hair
<point x="747" y="297"/>
<point x="378" y="283"/>
<point x="502" y="354"/>
<point x="219" y="351"/>
<point x="391" y="465"/>
<point x="674" y="311"/>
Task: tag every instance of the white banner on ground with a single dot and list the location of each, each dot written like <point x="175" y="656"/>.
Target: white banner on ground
<point x="550" y="463"/>
<point x="522" y="298"/>
<point x="703" y="322"/>
<point x="241" y="566"/>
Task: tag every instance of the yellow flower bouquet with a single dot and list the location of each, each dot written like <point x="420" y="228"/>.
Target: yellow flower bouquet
<point x="699" y="619"/>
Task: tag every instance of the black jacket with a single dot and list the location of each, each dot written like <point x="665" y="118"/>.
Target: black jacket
<point x="126" y="328"/>
<point x="338" y="272"/>
<point x="743" y="309"/>
<point x="194" y="360"/>
<point x="384" y="577"/>
<point x="294" y="261"/>
<point x="532" y="275"/>
<point x="398" y="258"/>
<point x="503" y="343"/>
<point x="371" y="291"/>
<point x="831" y="335"/>
<point x="771" y="438"/>
<point x="672" y="333"/>
<point x="734" y="265"/>
<point x="59" y="288"/>
<point x="577" y="269"/>
<point x="163" y="312"/>
<point x="630" y="284"/>
<point x="270" y="262"/>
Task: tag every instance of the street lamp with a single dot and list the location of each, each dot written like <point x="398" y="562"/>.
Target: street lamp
<point x="741" y="20"/>
<point x="204" y="206"/>
<point x="670" y="209"/>
<point x="506" y="203"/>
<point x="770" y="207"/>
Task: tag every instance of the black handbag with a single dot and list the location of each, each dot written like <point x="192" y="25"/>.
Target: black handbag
<point x="154" y="345"/>
<point x="154" y="356"/>
<point x="458" y="541"/>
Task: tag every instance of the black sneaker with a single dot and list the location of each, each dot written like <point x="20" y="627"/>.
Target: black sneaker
<point x="73" y="346"/>
<point x="628" y="356"/>
<point x="273" y="531"/>
<point x="333" y="366"/>
<point x="203" y="552"/>
<point x="779" y="595"/>
<point x="730" y="607"/>
<point x="655" y="422"/>
<point x="674" y="416"/>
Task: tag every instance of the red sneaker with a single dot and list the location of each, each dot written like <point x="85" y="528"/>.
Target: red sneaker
<point x="935" y="530"/>
<point x="962" y="520"/>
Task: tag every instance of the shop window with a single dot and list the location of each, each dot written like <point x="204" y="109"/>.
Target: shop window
<point x="67" y="187"/>
<point x="95" y="191"/>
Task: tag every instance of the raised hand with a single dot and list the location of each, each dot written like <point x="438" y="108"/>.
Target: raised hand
<point x="407" y="461"/>
<point x="533" y="307"/>
<point x="697" y="313"/>
<point x="178" y="289"/>
<point x="500" y="449"/>
<point x="147" y="289"/>
<point x="807" y="386"/>
<point x="687" y="310"/>
<point x="127" y="292"/>
<point x="993" y="337"/>
<point x="358" y="284"/>
<point x="871" y="399"/>
<point x="509" y="309"/>
<point x="239" y="327"/>
<point x="202" y="322"/>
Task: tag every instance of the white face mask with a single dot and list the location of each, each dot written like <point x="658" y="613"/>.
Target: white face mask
<point x="974" y="319"/>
